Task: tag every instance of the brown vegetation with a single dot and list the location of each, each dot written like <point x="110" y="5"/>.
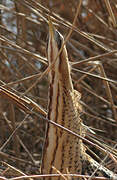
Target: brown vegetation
<point x="24" y="80"/>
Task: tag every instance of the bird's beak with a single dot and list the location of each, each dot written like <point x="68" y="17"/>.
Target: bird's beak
<point x="51" y="29"/>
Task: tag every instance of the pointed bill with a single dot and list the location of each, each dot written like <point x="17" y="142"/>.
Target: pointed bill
<point x="51" y="28"/>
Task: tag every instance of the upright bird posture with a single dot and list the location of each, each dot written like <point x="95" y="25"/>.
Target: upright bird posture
<point x="62" y="150"/>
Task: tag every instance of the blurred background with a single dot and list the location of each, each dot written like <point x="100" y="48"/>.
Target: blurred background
<point x="92" y="51"/>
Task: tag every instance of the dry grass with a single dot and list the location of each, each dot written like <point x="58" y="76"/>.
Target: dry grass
<point x="24" y="82"/>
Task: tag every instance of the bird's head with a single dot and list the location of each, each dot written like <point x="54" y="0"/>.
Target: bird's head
<point x="57" y="54"/>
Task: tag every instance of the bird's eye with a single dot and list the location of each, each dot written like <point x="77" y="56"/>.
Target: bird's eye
<point x="58" y="39"/>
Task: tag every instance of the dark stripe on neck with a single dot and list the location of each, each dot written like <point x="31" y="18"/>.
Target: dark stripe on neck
<point x="50" y="95"/>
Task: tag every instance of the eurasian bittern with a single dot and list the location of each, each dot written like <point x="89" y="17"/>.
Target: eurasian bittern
<point x="62" y="150"/>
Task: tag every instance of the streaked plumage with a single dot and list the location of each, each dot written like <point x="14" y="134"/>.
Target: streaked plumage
<point x="62" y="150"/>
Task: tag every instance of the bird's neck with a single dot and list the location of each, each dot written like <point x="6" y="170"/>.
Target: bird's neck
<point x="63" y="100"/>
<point x="63" y="108"/>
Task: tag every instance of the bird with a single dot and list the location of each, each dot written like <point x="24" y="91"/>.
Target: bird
<point x="62" y="150"/>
